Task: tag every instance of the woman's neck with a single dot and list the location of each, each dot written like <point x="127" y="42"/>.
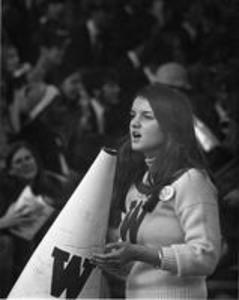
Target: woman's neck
<point x="149" y="161"/>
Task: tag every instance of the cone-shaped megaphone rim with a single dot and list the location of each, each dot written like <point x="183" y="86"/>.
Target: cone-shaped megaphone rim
<point x="110" y="151"/>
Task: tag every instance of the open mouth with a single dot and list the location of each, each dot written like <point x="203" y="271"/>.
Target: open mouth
<point x="135" y="136"/>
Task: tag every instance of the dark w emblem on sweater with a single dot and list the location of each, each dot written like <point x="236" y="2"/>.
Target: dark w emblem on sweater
<point x="132" y="221"/>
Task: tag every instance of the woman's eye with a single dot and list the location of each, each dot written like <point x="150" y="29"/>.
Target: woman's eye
<point x="148" y="116"/>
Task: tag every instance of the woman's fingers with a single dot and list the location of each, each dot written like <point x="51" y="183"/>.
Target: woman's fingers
<point x="106" y="256"/>
<point x="115" y="245"/>
<point x="114" y="254"/>
<point x="111" y="246"/>
<point x="105" y="261"/>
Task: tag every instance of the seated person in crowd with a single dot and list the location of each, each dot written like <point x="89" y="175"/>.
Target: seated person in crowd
<point x="29" y="103"/>
<point x="57" y="121"/>
<point x="30" y="199"/>
<point x="49" y="63"/>
<point x="107" y="103"/>
<point x="68" y="117"/>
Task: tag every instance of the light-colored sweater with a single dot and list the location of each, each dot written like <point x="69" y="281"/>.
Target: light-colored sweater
<point x="185" y="223"/>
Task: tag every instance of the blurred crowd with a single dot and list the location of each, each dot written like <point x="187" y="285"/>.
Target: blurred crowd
<point x="70" y="69"/>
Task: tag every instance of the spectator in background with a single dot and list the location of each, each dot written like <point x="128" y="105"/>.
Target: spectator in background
<point x="24" y="169"/>
<point x="29" y="104"/>
<point x="53" y="19"/>
<point x="167" y="39"/>
<point x="26" y="100"/>
<point x="68" y="117"/>
<point x="59" y="122"/>
<point x="91" y="138"/>
<point x="49" y="65"/>
<point x="226" y="95"/>
<point x="14" y="71"/>
<point x="115" y="117"/>
<point x="90" y="44"/>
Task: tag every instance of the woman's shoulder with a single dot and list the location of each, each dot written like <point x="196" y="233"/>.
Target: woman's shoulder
<point x="194" y="186"/>
<point x="192" y="176"/>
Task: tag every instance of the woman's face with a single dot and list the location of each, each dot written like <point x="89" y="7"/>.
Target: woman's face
<point x="24" y="164"/>
<point x="145" y="132"/>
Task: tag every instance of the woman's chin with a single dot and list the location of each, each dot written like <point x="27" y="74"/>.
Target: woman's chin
<point x="28" y="176"/>
<point x="135" y="147"/>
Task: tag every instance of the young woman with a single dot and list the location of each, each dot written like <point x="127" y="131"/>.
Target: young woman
<point x="170" y="235"/>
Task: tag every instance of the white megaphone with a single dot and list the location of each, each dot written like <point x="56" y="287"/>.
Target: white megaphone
<point x="60" y="266"/>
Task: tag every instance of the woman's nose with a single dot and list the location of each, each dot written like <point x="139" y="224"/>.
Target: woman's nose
<point x="135" y="122"/>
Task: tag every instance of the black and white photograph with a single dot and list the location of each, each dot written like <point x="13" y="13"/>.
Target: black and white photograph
<point x="119" y="149"/>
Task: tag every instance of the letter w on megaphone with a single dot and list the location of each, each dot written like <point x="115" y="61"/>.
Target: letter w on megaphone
<point x="70" y="278"/>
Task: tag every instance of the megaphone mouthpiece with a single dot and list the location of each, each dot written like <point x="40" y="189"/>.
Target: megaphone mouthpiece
<point x="110" y="151"/>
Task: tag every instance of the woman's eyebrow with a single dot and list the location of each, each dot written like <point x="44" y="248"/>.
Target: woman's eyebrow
<point x="148" y="111"/>
<point x="142" y="110"/>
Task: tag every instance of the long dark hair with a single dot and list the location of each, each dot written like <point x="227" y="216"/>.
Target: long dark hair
<point x="179" y="151"/>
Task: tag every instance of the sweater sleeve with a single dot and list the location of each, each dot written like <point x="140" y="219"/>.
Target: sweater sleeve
<point x="197" y="210"/>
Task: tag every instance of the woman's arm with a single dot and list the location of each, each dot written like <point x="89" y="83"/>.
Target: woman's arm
<point x="119" y="256"/>
<point x="122" y="253"/>
<point x="197" y="210"/>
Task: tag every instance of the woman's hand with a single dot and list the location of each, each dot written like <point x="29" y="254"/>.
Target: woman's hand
<point x="117" y="259"/>
<point x="14" y="217"/>
<point x="116" y="254"/>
